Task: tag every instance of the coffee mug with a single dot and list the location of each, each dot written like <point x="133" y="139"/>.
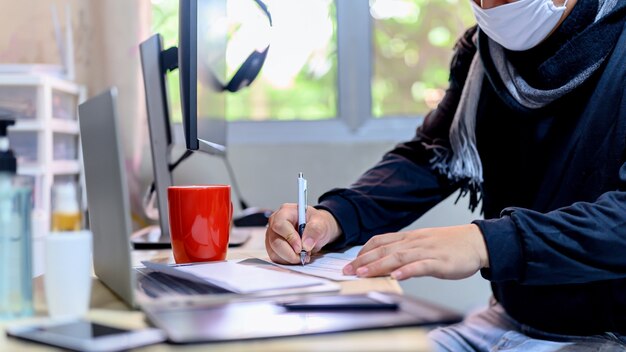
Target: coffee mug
<point x="200" y="218"/>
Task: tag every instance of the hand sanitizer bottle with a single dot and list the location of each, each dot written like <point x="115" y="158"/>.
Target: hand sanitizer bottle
<point x="16" y="292"/>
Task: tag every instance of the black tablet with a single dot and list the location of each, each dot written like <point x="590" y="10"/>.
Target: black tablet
<point x="195" y="321"/>
<point x="336" y="303"/>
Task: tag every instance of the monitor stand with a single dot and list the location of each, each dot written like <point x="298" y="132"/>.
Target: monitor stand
<point x="150" y="238"/>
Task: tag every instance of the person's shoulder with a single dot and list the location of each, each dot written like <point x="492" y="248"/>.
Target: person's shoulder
<point x="467" y="40"/>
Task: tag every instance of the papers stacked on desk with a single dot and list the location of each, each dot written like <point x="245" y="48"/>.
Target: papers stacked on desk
<point x="252" y="276"/>
<point x="238" y="278"/>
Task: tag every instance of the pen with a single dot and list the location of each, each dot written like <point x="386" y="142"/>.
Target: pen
<point x="301" y="212"/>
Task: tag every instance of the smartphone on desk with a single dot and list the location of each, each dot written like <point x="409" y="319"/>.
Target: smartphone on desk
<point x="82" y="335"/>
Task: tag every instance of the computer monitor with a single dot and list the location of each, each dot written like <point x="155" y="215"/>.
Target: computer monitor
<point x="203" y="33"/>
<point x="202" y="68"/>
<point x="155" y="63"/>
<point x="204" y="95"/>
<point x="201" y="61"/>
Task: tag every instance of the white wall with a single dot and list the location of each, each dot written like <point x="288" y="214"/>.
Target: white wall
<point x="267" y="176"/>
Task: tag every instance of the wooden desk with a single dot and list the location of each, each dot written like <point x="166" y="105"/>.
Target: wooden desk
<point x="107" y="308"/>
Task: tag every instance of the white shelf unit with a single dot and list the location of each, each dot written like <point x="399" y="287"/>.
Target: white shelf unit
<point x="45" y="138"/>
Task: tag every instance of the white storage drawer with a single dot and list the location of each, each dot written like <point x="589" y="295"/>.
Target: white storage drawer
<point x="64" y="105"/>
<point x="64" y="146"/>
<point x="45" y="137"/>
<point x="21" y="101"/>
<point x="25" y="145"/>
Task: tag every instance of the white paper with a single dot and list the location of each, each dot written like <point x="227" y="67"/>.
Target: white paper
<point x="235" y="277"/>
<point x="329" y="265"/>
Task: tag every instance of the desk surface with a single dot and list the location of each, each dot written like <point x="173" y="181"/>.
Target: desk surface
<point x="107" y="308"/>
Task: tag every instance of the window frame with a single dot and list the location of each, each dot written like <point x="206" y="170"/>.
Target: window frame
<point x="354" y="121"/>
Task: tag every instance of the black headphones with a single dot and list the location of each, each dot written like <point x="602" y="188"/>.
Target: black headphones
<point x="250" y="68"/>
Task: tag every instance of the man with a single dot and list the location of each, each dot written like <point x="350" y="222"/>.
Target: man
<point x="534" y="125"/>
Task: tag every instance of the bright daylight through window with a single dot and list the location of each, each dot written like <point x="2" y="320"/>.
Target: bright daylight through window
<point x="411" y="46"/>
<point x="298" y="80"/>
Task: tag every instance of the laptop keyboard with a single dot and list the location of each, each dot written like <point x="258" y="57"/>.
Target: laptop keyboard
<point x="155" y="284"/>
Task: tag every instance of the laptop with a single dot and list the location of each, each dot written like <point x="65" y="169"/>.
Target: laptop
<point x="110" y="223"/>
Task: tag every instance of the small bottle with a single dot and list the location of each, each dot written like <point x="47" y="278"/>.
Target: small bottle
<point x="16" y="275"/>
<point x="66" y="214"/>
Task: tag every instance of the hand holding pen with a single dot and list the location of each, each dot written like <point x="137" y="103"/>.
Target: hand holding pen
<point x="302" y="204"/>
<point x="285" y="244"/>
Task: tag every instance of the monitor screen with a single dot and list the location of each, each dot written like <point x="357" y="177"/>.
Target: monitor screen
<point x="202" y="65"/>
<point x="155" y="87"/>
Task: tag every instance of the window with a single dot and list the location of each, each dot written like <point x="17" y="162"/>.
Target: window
<point x="165" y="22"/>
<point x="297" y="81"/>
<point x="412" y="41"/>
<point x="347" y="62"/>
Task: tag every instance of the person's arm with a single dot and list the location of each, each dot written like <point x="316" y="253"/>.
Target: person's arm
<point x="402" y="186"/>
<point x="580" y="243"/>
<point x="388" y="197"/>
<point x="391" y="195"/>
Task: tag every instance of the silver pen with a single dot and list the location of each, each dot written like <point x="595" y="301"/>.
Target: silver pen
<point x="302" y="212"/>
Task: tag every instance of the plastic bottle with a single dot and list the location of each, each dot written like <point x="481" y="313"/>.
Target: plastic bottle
<point x="16" y="275"/>
<point x="65" y="210"/>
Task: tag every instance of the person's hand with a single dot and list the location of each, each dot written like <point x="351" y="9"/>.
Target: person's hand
<point x="282" y="240"/>
<point x="454" y="252"/>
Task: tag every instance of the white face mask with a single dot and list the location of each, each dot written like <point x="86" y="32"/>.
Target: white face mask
<point x="519" y="25"/>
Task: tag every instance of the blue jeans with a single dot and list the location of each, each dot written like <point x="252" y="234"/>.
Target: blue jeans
<point x="492" y="329"/>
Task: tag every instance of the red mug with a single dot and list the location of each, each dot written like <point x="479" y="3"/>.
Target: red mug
<point x="200" y="218"/>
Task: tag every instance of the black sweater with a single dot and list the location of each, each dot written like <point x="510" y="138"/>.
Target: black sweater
<point x="554" y="191"/>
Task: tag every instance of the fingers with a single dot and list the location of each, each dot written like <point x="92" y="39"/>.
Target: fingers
<point x="288" y="233"/>
<point x="376" y="248"/>
<point x="453" y="252"/>
<point x="283" y="223"/>
<point x="381" y="240"/>
<point x="280" y="251"/>
<point x="384" y="260"/>
<point x="317" y="232"/>
<point x="428" y="267"/>
<point x="282" y="241"/>
<point x="313" y="236"/>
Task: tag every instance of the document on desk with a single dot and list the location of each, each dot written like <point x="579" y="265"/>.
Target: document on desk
<point x="328" y="265"/>
<point x="236" y="277"/>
